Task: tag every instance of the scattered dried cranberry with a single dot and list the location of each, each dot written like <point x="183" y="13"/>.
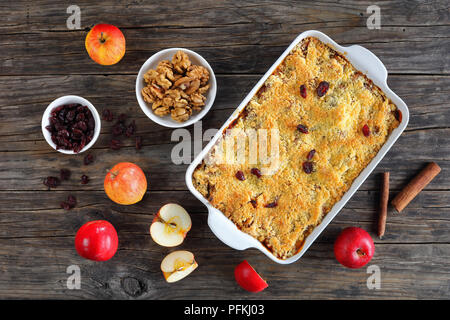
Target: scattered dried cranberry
<point x="256" y="172"/>
<point x="322" y="88"/>
<point x="118" y="129"/>
<point x="308" y="167"/>
<point x="115" y="144"/>
<point x="70" y="203"/>
<point x="64" y="174"/>
<point x="240" y="175"/>
<point x="310" y="154"/>
<point x="65" y="205"/>
<point x="52" y="182"/>
<point x="138" y="143"/>
<point x="107" y="115"/>
<point x="88" y="159"/>
<point x="254" y="203"/>
<point x="366" y="130"/>
<point x="131" y="129"/>
<point x="271" y="205"/>
<point x="84" y="179"/>
<point x="303" y="91"/>
<point x="302" y="128"/>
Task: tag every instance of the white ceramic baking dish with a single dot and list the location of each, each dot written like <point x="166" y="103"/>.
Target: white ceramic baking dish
<point x="364" y="61"/>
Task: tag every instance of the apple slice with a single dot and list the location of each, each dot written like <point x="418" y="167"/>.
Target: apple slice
<point x="170" y="226"/>
<point x="248" y="278"/>
<point x="177" y="265"/>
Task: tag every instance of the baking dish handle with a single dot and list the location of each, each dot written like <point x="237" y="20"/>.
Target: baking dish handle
<point x="374" y="67"/>
<point x="225" y="230"/>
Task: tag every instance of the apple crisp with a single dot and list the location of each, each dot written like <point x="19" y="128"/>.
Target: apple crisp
<point x="332" y="121"/>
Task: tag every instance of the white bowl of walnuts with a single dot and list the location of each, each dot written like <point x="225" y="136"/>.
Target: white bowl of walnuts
<point x="176" y="87"/>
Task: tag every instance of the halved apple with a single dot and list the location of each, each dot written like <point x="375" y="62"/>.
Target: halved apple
<point x="170" y="226"/>
<point x="177" y="265"/>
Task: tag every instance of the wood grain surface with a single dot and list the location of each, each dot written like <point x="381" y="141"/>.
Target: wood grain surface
<point x="41" y="59"/>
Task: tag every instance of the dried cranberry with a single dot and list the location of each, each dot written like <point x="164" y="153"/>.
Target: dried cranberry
<point x="91" y="122"/>
<point x="398" y="115"/>
<point x="303" y="91"/>
<point x="310" y="154"/>
<point x="65" y="205"/>
<point x="82" y="126"/>
<point x="52" y="182"/>
<point x="322" y="88"/>
<point x="366" y="130"/>
<point x="115" y="144"/>
<point x="308" y="167"/>
<point x="72" y="201"/>
<point x="256" y="172"/>
<point x="70" y="116"/>
<point x="80" y="117"/>
<point x="62" y="115"/>
<point x="88" y="159"/>
<point x="240" y="175"/>
<point x="64" y="174"/>
<point x="302" y="128"/>
<point x="138" y="143"/>
<point x="118" y="129"/>
<point x="131" y="129"/>
<point x="84" y="179"/>
<point x="271" y="205"/>
<point x="69" y="203"/>
<point x="107" y="115"/>
<point x="77" y="134"/>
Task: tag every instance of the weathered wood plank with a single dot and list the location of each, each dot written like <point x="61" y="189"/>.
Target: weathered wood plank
<point x="235" y="38"/>
<point x="407" y="272"/>
<point x="25" y="16"/>
<point x="26" y="170"/>
<point x="426" y="219"/>
<point x="21" y="111"/>
<point x="64" y="52"/>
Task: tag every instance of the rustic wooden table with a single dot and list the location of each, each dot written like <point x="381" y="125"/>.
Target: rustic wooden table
<point x="41" y="59"/>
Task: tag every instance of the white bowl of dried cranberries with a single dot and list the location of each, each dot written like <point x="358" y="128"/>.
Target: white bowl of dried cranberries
<point x="71" y="124"/>
<point x="181" y="87"/>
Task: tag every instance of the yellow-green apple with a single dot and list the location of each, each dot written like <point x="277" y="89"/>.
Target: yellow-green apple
<point x="125" y="183"/>
<point x="177" y="265"/>
<point x="105" y="44"/>
<point x="170" y="225"/>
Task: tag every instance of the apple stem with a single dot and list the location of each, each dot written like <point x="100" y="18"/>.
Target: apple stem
<point x="113" y="173"/>
<point x="102" y="40"/>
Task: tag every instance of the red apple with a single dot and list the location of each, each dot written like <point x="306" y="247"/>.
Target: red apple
<point x="105" y="44"/>
<point x="354" y="247"/>
<point x="248" y="278"/>
<point x="97" y="240"/>
<point x="125" y="183"/>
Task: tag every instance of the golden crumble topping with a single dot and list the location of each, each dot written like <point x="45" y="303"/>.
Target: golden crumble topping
<point x="331" y="121"/>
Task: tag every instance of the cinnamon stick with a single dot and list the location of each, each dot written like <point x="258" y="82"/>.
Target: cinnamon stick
<point x="384" y="197"/>
<point x="416" y="185"/>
